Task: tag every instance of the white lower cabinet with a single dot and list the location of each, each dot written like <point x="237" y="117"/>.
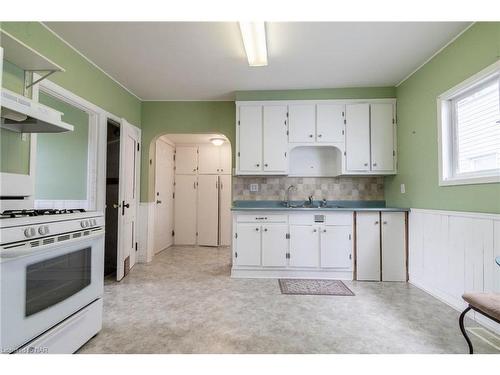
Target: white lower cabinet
<point x="368" y="246"/>
<point x="274" y="245"/>
<point x="248" y="245"/>
<point x="304" y="246"/>
<point x="336" y="246"/>
<point x="393" y="246"/>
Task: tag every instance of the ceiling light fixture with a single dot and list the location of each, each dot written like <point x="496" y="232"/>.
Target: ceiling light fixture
<point x="217" y="141"/>
<point x="254" y="40"/>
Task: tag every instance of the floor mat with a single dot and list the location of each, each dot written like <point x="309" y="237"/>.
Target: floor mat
<point x="314" y="287"/>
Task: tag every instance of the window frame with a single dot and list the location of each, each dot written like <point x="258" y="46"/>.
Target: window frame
<point x="447" y="131"/>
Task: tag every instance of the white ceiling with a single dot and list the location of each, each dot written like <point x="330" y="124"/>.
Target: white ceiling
<point x="191" y="138"/>
<point x="206" y="60"/>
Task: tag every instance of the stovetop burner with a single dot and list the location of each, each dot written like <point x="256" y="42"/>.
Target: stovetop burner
<point x="39" y="212"/>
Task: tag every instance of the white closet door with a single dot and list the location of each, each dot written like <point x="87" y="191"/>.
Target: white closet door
<point x="208" y="159"/>
<point x="304" y="246"/>
<point x="185" y="210"/>
<point x="225" y="229"/>
<point x="274" y="245"/>
<point x="368" y="246"/>
<point x="225" y="159"/>
<point x="250" y="138"/>
<point x="186" y="159"/>
<point x="275" y="138"/>
<point x="382" y="136"/>
<point x="336" y="246"/>
<point x="208" y="210"/>
<point x="393" y="246"/>
<point x="330" y="123"/>
<point x="357" y="137"/>
<point x="302" y="122"/>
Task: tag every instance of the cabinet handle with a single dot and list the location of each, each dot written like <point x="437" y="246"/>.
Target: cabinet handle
<point x="266" y="165"/>
<point x="194" y="169"/>
<point x="158" y="201"/>
<point x="265" y="229"/>
<point x="257" y="165"/>
<point x="217" y="169"/>
<point x="376" y="223"/>
<point x="319" y="135"/>
<point x="374" y="164"/>
<point x="194" y="185"/>
<point x="315" y="230"/>
<point x="385" y="222"/>
<point x="222" y="170"/>
<point x="256" y="229"/>
<point x="310" y="135"/>
<point x="324" y="230"/>
<point x="366" y="164"/>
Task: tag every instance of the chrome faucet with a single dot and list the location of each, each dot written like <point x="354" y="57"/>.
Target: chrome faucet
<point x="290" y="188"/>
<point x="310" y="200"/>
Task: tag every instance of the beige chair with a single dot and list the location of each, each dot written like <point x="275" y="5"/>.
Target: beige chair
<point x="487" y="304"/>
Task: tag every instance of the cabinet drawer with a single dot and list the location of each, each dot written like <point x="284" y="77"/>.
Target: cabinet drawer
<point x="322" y="218"/>
<point x="339" y="218"/>
<point x="262" y="218"/>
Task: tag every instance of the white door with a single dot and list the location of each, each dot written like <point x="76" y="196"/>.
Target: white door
<point x="336" y="247"/>
<point x="164" y="196"/>
<point x="382" y="136"/>
<point x="304" y="246"/>
<point x="208" y="159"/>
<point x="274" y="245"/>
<point x="301" y="122"/>
<point x="186" y="159"/>
<point x="185" y="210"/>
<point x="368" y="246"/>
<point x="208" y="210"/>
<point x="330" y="123"/>
<point x="225" y="158"/>
<point x="357" y="137"/>
<point x="225" y="229"/>
<point x="250" y="138"/>
<point x="127" y="219"/>
<point x="393" y="246"/>
<point x="248" y="245"/>
<point x="275" y="138"/>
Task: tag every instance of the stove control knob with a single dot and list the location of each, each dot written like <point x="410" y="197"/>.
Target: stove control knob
<point x="93" y="222"/>
<point x="84" y="223"/>
<point x="29" y="232"/>
<point x="43" y="230"/>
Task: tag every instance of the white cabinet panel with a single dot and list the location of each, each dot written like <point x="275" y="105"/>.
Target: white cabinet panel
<point x="382" y="136"/>
<point x="330" y="123"/>
<point x="225" y="210"/>
<point x="186" y="159"/>
<point x="336" y="247"/>
<point x="301" y="122"/>
<point x="393" y="246"/>
<point x="368" y="246"/>
<point x="225" y="156"/>
<point x="275" y="138"/>
<point x="250" y="138"/>
<point x="304" y="246"/>
<point x="248" y="245"/>
<point x="274" y="245"/>
<point x="495" y="275"/>
<point x="208" y="210"/>
<point x="208" y="159"/>
<point x="185" y="210"/>
<point x="357" y="137"/>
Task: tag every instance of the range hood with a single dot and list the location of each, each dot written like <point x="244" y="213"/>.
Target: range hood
<point x="23" y="115"/>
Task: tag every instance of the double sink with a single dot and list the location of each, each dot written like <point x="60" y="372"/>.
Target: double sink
<point x="313" y="205"/>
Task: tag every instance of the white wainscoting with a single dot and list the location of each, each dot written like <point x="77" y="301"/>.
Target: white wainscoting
<point x="145" y="233"/>
<point x="454" y="252"/>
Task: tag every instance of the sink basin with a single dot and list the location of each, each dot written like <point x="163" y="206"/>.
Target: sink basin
<point x="307" y="205"/>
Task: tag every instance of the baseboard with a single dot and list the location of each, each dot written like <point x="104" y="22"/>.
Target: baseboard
<point x="270" y="273"/>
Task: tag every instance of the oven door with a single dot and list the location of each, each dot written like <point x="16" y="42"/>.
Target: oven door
<point x="42" y="286"/>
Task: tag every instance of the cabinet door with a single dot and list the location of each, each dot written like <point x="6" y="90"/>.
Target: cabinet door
<point x="208" y="159"/>
<point x="248" y="245"/>
<point x="250" y="138"/>
<point x="208" y="210"/>
<point x="304" y="246"/>
<point x="382" y="137"/>
<point x="330" y="123"/>
<point x="336" y="247"/>
<point x="368" y="246"/>
<point x="186" y="159"/>
<point x="393" y="246"/>
<point x="225" y="210"/>
<point x="185" y="210"/>
<point x="225" y="157"/>
<point x="274" y="245"/>
<point x="301" y="122"/>
<point x="275" y="138"/>
<point x="357" y="137"/>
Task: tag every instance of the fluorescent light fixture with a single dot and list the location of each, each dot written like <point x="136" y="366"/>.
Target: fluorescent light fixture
<point x="254" y="40"/>
<point x="217" y="141"/>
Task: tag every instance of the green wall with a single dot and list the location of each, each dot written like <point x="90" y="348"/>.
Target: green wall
<point x="474" y="50"/>
<point x="61" y="158"/>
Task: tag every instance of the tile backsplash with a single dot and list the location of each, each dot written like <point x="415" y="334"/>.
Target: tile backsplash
<point x="330" y="188"/>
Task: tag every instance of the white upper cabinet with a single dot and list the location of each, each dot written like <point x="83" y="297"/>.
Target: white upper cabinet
<point x="275" y="138"/>
<point x="208" y="159"/>
<point x="357" y="137"/>
<point x="330" y="123"/>
<point x="302" y="123"/>
<point x="250" y="138"/>
<point x="382" y="136"/>
<point x="186" y="159"/>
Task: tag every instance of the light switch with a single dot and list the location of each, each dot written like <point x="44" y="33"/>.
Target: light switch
<point x="254" y="187"/>
<point x="403" y="189"/>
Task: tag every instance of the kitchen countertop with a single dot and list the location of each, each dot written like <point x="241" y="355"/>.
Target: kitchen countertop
<point x="334" y="206"/>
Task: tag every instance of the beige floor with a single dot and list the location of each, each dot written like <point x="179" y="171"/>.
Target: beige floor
<point x="185" y="302"/>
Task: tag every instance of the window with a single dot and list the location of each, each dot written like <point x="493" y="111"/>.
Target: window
<point x="469" y="129"/>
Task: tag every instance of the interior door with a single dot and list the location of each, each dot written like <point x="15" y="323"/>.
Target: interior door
<point x="164" y="204"/>
<point x="208" y="159"/>
<point x="368" y="246"/>
<point x="225" y="229"/>
<point x="225" y="158"/>
<point x="357" y="137"/>
<point x="248" y="245"/>
<point x="393" y="246"/>
<point x="304" y="246"/>
<point x="302" y="122"/>
<point x="382" y="136"/>
<point x="330" y="123"/>
<point x="275" y="138"/>
<point x="208" y="210"/>
<point x="250" y="138"/>
<point x="127" y="219"/>
<point x="185" y="209"/>
<point x="274" y="245"/>
<point x="336" y="246"/>
<point x="186" y="159"/>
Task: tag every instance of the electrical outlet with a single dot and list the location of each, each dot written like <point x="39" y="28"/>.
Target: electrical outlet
<point x="403" y="189"/>
<point x="254" y="187"/>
